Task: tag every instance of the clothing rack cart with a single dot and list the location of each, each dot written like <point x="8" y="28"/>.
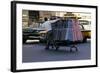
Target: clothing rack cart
<point x="66" y="30"/>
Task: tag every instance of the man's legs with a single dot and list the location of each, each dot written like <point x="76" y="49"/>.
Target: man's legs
<point x="49" y="39"/>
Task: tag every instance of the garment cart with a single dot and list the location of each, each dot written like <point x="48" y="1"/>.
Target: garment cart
<point x="66" y="30"/>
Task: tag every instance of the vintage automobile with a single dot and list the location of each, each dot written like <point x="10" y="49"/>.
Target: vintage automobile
<point x="86" y="33"/>
<point x="32" y="33"/>
<point x="85" y="29"/>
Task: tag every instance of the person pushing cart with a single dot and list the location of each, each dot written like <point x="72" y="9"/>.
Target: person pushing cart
<point x="61" y="30"/>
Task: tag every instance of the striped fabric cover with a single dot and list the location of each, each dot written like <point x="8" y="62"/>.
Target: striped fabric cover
<point x="67" y="30"/>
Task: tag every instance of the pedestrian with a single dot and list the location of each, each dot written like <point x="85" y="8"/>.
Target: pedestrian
<point x="47" y="26"/>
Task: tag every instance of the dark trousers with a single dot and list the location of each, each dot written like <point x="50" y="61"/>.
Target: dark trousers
<point x="49" y="38"/>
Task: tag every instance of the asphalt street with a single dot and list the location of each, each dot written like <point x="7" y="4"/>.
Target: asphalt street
<point x="36" y="53"/>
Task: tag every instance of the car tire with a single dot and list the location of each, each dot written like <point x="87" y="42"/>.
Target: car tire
<point x="84" y="40"/>
<point x="24" y="40"/>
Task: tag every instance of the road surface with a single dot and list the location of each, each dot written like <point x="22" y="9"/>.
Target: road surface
<point x="37" y="53"/>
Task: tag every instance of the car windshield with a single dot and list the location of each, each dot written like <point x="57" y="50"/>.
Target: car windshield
<point x="85" y="24"/>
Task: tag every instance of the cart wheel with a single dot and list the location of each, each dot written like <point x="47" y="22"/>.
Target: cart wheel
<point x="73" y="47"/>
<point x="55" y="45"/>
<point x="52" y="46"/>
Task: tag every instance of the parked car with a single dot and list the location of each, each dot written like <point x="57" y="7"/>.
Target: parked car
<point x="86" y="33"/>
<point x="32" y="33"/>
<point x="85" y="29"/>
